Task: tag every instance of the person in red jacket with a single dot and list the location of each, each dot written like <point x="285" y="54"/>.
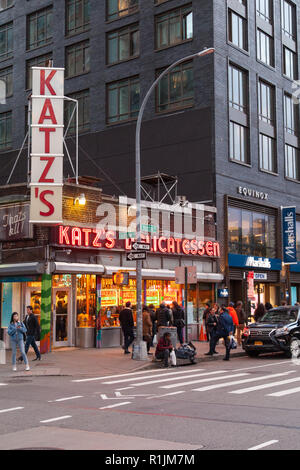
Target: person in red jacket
<point x="164" y="348"/>
<point x="234" y="316"/>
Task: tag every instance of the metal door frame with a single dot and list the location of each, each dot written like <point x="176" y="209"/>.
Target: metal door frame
<point x="68" y="290"/>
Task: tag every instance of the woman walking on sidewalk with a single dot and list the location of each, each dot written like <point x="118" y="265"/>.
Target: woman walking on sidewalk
<point x="16" y="331"/>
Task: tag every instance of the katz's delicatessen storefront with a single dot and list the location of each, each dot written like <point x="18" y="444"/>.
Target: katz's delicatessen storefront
<point x="82" y="293"/>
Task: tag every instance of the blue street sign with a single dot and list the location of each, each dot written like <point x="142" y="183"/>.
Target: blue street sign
<point x="289" y="235"/>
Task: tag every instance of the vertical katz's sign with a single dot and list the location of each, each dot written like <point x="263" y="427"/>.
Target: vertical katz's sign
<point x="47" y="145"/>
<point x="289" y="237"/>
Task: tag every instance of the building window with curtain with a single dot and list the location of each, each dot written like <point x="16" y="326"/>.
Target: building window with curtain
<point x="5" y="130"/>
<point x="77" y="16"/>
<point x="238" y="143"/>
<point x="266" y="102"/>
<point x="292" y="162"/>
<point x="39" y="28"/>
<point x="238" y="86"/>
<point x="288" y="19"/>
<point x="6" y="81"/>
<point x="176" y="89"/>
<point x="4" y="4"/>
<point x="267" y="153"/>
<point x="123" y="100"/>
<point x="77" y="59"/>
<point x="123" y="44"/>
<point x="174" y="27"/>
<point x="265" y="48"/>
<point x="237" y="30"/>
<point x="289" y="64"/>
<point x="83" y="98"/>
<point x="264" y="9"/>
<point x="116" y="9"/>
<point x="6" y="41"/>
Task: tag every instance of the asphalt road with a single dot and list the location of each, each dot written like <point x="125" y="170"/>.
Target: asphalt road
<point x="237" y="405"/>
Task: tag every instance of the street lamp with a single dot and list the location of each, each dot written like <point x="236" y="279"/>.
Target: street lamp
<point x="139" y="347"/>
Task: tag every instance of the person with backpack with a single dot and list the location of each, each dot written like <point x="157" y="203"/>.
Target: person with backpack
<point x="163" y="316"/>
<point x="178" y="320"/>
<point x="33" y="334"/>
<point x="16" y="331"/>
<point x="127" y="324"/>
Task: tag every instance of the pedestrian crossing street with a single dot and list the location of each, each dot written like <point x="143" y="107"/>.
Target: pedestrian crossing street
<point x="276" y="382"/>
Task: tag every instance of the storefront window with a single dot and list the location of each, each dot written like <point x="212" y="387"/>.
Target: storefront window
<point x="63" y="280"/>
<point x="86" y="300"/>
<point x="251" y="233"/>
<point x="109" y="304"/>
<point x="35" y="298"/>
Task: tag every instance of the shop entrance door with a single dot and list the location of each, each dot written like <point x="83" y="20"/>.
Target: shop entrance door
<point x="61" y="317"/>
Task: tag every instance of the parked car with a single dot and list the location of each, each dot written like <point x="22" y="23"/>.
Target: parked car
<point x="277" y="330"/>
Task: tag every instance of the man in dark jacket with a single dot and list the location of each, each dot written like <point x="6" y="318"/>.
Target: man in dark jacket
<point x="163" y="315"/>
<point x="33" y="333"/>
<point x="178" y="320"/>
<point x="224" y="330"/>
<point x="127" y="324"/>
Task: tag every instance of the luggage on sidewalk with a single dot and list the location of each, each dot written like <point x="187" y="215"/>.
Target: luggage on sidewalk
<point x="186" y="351"/>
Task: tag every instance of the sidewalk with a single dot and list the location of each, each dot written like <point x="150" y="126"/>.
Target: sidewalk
<point x="96" y="362"/>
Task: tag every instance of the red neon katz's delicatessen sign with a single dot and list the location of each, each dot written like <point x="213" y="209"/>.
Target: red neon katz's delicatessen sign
<point x="93" y="238"/>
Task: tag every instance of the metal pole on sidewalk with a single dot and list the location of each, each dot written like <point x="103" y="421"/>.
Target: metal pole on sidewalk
<point x="139" y="347"/>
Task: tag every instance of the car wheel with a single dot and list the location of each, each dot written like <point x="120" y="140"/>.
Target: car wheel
<point x="252" y="353"/>
<point x="295" y="348"/>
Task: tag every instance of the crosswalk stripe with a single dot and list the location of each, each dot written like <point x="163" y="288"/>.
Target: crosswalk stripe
<point x="165" y="395"/>
<point x="116" y="405"/>
<point x="262" y="387"/>
<point x="211" y="379"/>
<point x="239" y="382"/>
<point x="200" y="374"/>
<point x="152" y="377"/>
<point x="112" y="376"/>
<point x="285" y="392"/>
<point x="262" y="446"/>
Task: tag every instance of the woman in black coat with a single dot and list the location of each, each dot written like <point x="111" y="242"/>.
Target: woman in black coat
<point x="178" y="320"/>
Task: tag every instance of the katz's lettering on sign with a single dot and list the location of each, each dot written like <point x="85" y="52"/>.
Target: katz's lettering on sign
<point x="100" y="238"/>
<point x="47" y="145"/>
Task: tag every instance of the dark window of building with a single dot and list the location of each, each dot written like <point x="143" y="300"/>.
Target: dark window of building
<point x="83" y="98"/>
<point x="291" y="113"/>
<point x="267" y="153"/>
<point x="251" y="233"/>
<point x="237" y="30"/>
<point x="292" y="162"/>
<point x="264" y="9"/>
<point x="289" y="63"/>
<point x="265" y="48"/>
<point x="288" y="19"/>
<point x="118" y="8"/>
<point x="77" y="16"/>
<point x="6" y="4"/>
<point x="266" y="102"/>
<point x="5" y="130"/>
<point x="40" y="61"/>
<point x="174" y="27"/>
<point x="238" y="147"/>
<point x="39" y="28"/>
<point x="6" y="83"/>
<point x="123" y="44"/>
<point x="238" y="86"/>
<point x="123" y="100"/>
<point x="6" y="41"/>
<point x="176" y="89"/>
<point x="77" y="59"/>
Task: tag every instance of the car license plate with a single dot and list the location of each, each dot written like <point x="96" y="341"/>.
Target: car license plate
<point x="258" y="343"/>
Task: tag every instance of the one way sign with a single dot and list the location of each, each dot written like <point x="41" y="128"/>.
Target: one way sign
<point x="136" y="255"/>
<point x="140" y="246"/>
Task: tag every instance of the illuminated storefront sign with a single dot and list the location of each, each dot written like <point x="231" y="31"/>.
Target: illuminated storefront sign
<point x="93" y="238"/>
<point x="47" y="145"/>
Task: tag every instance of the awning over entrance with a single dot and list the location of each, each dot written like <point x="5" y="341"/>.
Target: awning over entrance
<point x="21" y="269"/>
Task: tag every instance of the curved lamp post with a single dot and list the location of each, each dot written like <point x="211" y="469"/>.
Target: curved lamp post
<point x="139" y="348"/>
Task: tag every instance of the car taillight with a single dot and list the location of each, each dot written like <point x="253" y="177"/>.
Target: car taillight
<point x="246" y="332"/>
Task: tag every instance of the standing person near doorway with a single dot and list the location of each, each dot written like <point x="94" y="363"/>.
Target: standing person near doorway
<point x="178" y="320"/>
<point x="33" y="333"/>
<point x="127" y="324"/>
<point x="16" y="331"/>
<point x="242" y="320"/>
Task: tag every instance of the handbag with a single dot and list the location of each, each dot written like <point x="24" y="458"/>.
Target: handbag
<point x="173" y="358"/>
<point x="155" y="339"/>
<point x="233" y="343"/>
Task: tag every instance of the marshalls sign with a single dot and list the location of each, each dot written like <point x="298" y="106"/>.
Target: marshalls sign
<point x="289" y="235"/>
<point x="47" y="145"/>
